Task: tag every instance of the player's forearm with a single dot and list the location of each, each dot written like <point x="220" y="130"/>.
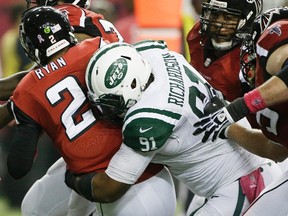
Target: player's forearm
<point x="254" y="141"/>
<point x="8" y="84"/>
<point x="274" y="91"/>
<point x="96" y="187"/>
<point x="5" y="115"/>
<point x="106" y="189"/>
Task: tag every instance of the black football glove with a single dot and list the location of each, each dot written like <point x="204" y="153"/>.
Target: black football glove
<point x="82" y="184"/>
<point x="215" y="124"/>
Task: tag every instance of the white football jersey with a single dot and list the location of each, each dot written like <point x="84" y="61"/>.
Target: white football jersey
<point x="159" y="128"/>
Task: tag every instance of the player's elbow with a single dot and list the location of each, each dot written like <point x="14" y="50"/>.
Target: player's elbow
<point x="18" y="168"/>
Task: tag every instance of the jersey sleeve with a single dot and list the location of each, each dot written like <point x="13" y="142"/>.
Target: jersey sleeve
<point x="146" y="134"/>
<point x="128" y="165"/>
<point x="90" y="23"/>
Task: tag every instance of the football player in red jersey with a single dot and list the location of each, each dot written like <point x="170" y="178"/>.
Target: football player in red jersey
<point x="267" y="102"/>
<point x="214" y="42"/>
<point x="53" y="98"/>
<point x="86" y="24"/>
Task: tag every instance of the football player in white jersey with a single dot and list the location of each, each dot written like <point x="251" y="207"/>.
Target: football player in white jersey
<point x="158" y="97"/>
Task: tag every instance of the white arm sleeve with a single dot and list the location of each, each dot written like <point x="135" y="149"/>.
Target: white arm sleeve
<point x="128" y="165"/>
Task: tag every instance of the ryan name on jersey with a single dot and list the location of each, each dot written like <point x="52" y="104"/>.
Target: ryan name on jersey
<point x="50" y="67"/>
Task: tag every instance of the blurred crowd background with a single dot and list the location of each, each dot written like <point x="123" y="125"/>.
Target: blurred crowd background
<point x="135" y="20"/>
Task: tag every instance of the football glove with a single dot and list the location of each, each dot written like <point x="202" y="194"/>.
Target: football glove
<point x="214" y="124"/>
<point x="217" y="123"/>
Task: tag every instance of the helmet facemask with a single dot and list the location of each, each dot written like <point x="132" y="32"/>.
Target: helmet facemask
<point x="222" y="33"/>
<point x="226" y="22"/>
<point x="248" y="60"/>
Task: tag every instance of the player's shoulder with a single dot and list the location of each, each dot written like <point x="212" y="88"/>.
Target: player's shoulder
<point x="88" y="46"/>
<point x="150" y="45"/>
<point x="68" y="7"/>
<point x="274" y="36"/>
<point x="147" y="129"/>
<point x="194" y="31"/>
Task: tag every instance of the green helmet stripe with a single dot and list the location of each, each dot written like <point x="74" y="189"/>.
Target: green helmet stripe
<point x="97" y="55"/>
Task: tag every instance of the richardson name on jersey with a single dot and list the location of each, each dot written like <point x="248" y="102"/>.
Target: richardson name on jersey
<point x="51" y="67"/>
<point x="176" y="93"/>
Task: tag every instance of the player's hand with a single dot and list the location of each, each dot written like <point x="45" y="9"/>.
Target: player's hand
<point x="214" y="124"/>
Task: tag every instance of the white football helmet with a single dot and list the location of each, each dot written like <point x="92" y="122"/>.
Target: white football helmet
<point x="116" y="76"/>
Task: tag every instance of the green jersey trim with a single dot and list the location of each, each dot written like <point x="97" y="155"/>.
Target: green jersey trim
<point x="148" y="129"/>
<point x="150" y="44"/>
<point x="167" y="113"/>
<point x="147" y="134"/>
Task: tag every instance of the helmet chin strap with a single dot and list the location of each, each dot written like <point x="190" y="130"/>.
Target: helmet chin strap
<point x="222" y="45"/>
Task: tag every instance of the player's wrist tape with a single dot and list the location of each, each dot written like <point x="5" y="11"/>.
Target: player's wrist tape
<point x="237" y="109"/>
<point x="283" y="74"/>
<point x="254" y="101"/>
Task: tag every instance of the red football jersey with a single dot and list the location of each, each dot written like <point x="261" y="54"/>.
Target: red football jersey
<point x="88" y="22"/>
<point x="272" y="120"/>
<point x="223" y="73"/>
<point x="54" y="96"/>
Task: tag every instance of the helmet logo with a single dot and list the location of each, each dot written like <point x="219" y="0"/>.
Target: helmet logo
<point x="219" y="3"/>
<point x="276" y="30"/>
<point x="40" y="39"/>
<point x="46" y="30"/>
<point x="56" y="28"/>
<point x="116" y="73"/>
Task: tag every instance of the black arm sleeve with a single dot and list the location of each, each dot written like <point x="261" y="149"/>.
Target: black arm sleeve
<point x="23" y="147"/>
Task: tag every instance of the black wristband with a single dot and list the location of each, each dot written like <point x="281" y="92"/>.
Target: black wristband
<point x="238" y="109"/>
<point x="283" y="74"/>
<point x="84" y="186"/>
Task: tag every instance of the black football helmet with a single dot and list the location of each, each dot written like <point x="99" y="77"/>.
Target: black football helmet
<point x="244" y="10"/>
<point x="80" y="3"/>
<point x="248" y="52"/>
<point x="43" y="32"/>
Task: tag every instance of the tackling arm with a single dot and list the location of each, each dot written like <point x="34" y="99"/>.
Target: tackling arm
<point x="5" y="115"/>
<point x="8" y="84"/>
<point x="254" y="140"/>
<point x="123" y="171"/>
<point x="96" y="187"/>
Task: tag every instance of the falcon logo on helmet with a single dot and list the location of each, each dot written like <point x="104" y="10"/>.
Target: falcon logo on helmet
<point x="264" y="20"/>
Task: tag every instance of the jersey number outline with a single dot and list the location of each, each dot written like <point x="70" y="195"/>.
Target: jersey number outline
<point x="55" y="96"/>
<point x="270" y="115"/>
